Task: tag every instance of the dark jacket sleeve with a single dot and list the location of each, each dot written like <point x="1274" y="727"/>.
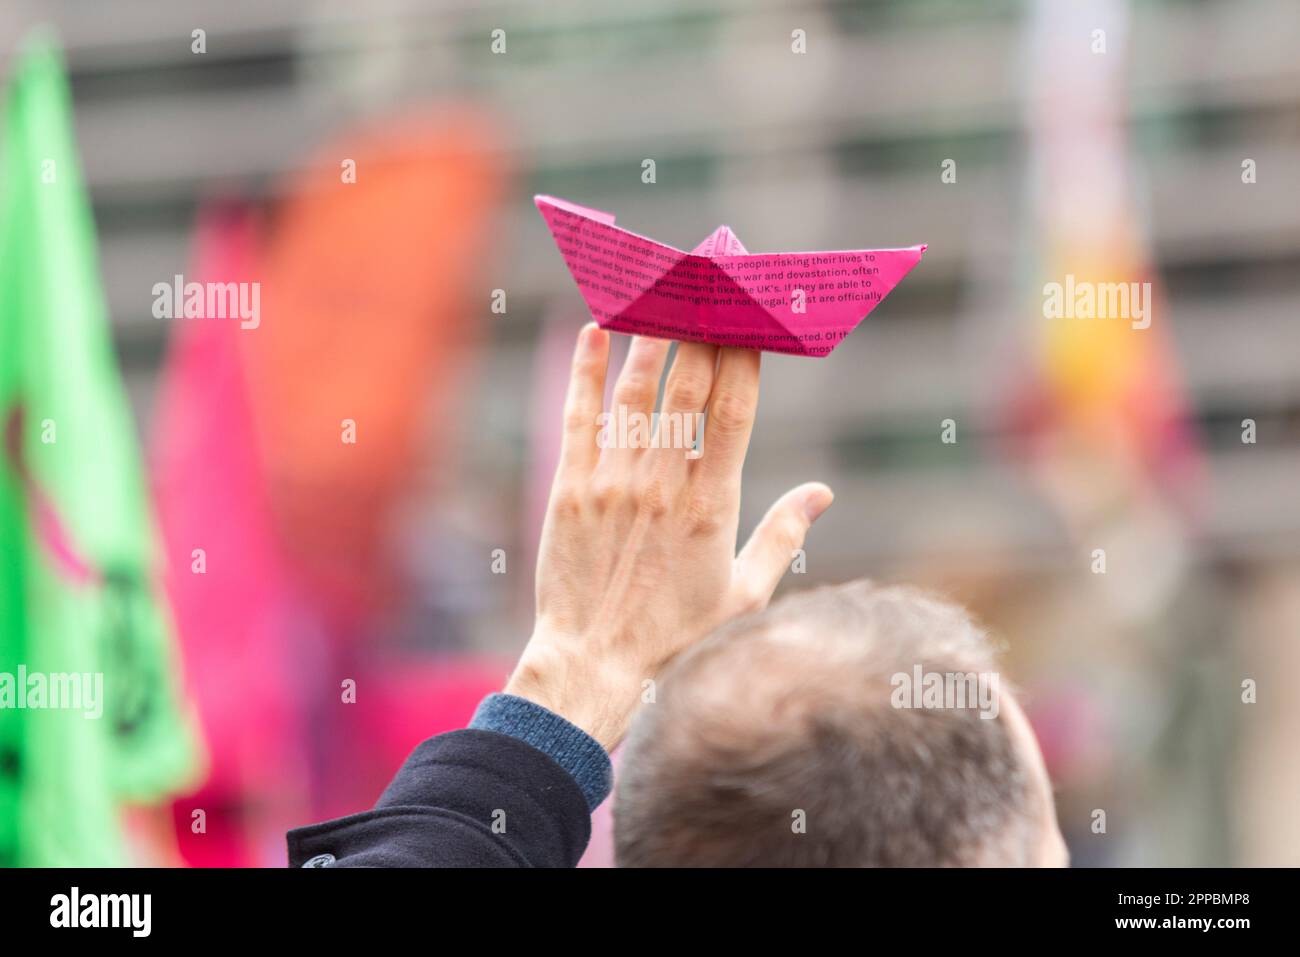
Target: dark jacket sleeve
<point x="472" y="798"/>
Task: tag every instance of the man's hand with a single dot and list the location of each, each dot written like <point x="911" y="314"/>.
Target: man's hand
<point x="638" y="551"/>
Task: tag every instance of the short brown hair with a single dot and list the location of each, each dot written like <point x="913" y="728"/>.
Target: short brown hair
<point x="788" y="711"/>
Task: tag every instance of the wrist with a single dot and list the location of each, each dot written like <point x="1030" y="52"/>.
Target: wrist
<point x="591" y="694"/>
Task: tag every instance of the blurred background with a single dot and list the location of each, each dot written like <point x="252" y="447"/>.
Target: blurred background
<point x="1121" y="506"/>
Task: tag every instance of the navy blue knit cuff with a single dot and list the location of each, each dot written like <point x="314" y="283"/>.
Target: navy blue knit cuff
<point x="564" y="743"/>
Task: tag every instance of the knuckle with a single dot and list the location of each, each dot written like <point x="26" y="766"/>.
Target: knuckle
<point x="653" y="498"/>
<point x="577" y="419"/>
<point x="635" y="392"/>
<point x="704" y="516"/>
<point x="567" y="502"/>
<point x="588" y="367"/>
<point x="730" y="413"/>
<point x="787" y="533"/>
<point x="604" y="494"/>
<point x="690" y="390"/>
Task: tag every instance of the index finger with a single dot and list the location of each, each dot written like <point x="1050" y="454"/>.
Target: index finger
<point x="579" y="450"/>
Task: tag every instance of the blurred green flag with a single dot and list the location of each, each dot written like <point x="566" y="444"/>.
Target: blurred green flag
<point x="79" y="602"/>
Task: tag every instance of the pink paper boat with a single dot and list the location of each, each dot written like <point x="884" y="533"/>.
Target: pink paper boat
<point x="797" y="303"/>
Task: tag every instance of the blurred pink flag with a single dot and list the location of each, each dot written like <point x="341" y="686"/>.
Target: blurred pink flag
<point x="224" y="577"/>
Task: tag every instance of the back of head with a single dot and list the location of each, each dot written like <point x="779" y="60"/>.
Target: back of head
<point x="795" y="737"/>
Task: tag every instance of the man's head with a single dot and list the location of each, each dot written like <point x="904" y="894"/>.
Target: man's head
<point x="845" y="726"/>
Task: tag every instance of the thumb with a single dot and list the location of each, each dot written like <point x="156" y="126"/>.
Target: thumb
<point x="766" y="556"/>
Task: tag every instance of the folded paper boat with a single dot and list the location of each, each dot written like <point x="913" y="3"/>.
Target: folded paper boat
<point x="796" y="303"/>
